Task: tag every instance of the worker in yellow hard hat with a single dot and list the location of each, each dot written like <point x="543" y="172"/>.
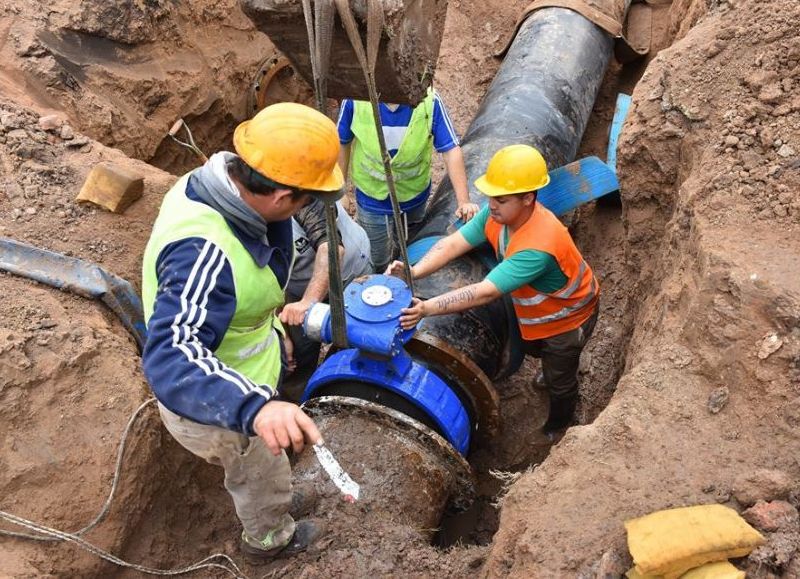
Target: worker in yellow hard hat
<point x="554" y="292"/>
<point x="214" y="273"/>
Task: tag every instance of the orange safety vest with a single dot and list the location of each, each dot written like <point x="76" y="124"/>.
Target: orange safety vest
<point x="541" y="315"/>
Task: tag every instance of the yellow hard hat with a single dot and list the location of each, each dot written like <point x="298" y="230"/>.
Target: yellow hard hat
<point x="293" y="145"/>
<point x="514" y="169"/>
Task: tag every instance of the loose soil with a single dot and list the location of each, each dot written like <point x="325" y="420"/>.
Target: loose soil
<point x="685" y="397"/>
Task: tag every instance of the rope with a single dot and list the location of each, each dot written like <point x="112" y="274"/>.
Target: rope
<point x="323" y="14"/>
<point x="367" y="62"/>
<point x="49" y="534"/>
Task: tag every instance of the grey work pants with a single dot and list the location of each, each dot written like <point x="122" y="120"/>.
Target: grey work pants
<point x="560" y="356"/>
<point x="259" y="482"/>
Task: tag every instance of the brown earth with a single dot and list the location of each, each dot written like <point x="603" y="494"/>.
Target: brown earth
<point x="683" y="401"/>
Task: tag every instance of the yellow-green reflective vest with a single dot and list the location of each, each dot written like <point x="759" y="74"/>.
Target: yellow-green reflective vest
<point x="411" y="166"/>
<point x="251" y="345"/>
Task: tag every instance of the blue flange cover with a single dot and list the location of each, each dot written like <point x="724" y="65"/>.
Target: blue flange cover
<point x="406" y="378"/>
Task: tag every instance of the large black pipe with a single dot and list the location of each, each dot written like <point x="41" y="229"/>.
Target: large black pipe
<point x="542" y="96"/>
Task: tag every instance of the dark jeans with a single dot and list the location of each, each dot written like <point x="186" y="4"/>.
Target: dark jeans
<point x="560" y="356"/>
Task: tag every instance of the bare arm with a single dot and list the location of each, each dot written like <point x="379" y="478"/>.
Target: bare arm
<point x="443" y="252"/>
<point x="454" y="162"/>
<point x="453" y="301"/>
<point x="316" y="290"/>
<point x="344" y="159"/>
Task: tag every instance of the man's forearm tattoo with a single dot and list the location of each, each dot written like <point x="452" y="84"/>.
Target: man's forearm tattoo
<point x="466" y="294"/>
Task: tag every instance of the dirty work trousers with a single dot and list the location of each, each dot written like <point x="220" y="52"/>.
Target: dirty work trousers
<point x="259" y="483"/>
<point x="560" y="356"/>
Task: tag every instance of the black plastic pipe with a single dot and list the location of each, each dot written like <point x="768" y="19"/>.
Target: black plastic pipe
<point x="542" y="96"/>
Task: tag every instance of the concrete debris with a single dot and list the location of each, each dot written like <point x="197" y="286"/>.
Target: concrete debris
<point x="50" y="122"/>
<point x="778" y="551"/>
<point x="78" y="142"/>
<point x="112" y="187"/>
<point x="772" y="516"/>
<point x="769" y="344"/>
<point x="718" y="399"/>
<point x="764" y="485"/>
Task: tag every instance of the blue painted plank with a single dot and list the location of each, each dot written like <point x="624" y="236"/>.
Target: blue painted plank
<point x="623" y="104"/>
<point x="577" y="183"/>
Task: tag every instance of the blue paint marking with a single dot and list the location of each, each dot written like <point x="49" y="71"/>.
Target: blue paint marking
<point x="420" y="247"/>
<point x="621" y="111"/>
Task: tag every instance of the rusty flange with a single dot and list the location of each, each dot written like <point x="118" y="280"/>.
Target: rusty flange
<point x="460" y="371"/>
<point x="464" y="491"/>
<point x="276" y="81"/>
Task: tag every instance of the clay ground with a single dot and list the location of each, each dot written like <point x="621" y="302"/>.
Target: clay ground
<point x="691" y="383"/>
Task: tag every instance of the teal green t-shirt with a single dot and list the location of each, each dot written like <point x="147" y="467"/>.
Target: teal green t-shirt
<point x="531" y="267"/>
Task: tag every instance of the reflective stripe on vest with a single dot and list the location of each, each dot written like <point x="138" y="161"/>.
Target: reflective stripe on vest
<point x="250" y="344"/>
<point x="563" y="312"/>
<point x="411" y="166"/>
<point x="541" y="315"/>
<point x="564" y="293"/>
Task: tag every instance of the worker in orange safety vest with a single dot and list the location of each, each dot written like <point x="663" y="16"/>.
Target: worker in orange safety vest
<point x="554" y="292"/>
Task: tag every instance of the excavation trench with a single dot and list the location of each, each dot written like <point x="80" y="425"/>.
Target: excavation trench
<point x="691" y="308"/>
<point x="406" y="495"/>
<point x="180" y="511"/>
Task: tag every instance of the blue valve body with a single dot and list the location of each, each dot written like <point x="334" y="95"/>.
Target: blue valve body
<point x="405" y="377"/>
<point x="373" y="328"/>
<point x="376" y="356"/>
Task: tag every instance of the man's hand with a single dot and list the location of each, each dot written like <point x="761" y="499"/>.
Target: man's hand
<point x="397" y="269"/>
<point x="288" y="347"/>
<point x="295" y="312"/>
<point x="283" y="424"/>
<point x="466" y="211"/>
<point x="411" y="316"/>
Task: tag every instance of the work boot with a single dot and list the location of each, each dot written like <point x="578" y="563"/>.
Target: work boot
<point x="305" y="533"/>
<point x="562" y="410"/>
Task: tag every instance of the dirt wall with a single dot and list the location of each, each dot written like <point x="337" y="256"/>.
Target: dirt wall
<point x="125" y="71"/>
<point x="711" y="224"/>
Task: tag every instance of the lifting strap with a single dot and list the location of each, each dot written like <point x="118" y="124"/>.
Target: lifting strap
<point x="367" y="61"/>
<point x="320" y="35"/>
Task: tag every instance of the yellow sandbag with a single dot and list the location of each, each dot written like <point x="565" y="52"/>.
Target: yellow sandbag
<point x="718" y="570"/>
<point x="632" y="573"/>
<point x="673" y="541"/>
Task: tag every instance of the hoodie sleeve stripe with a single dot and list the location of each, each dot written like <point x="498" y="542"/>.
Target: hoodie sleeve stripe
<point x="199" y="285"/>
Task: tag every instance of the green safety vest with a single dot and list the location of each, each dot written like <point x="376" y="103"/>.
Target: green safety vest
<point x="411" y="166"/>
<point x="251" y="346"/>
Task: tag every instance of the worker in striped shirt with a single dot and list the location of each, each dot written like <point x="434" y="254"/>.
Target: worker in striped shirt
<point x="411" y="135"/>
<point x="213" y="279"/>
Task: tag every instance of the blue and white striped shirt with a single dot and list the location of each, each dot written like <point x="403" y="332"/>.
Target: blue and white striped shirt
<point x="395" y="123"/>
